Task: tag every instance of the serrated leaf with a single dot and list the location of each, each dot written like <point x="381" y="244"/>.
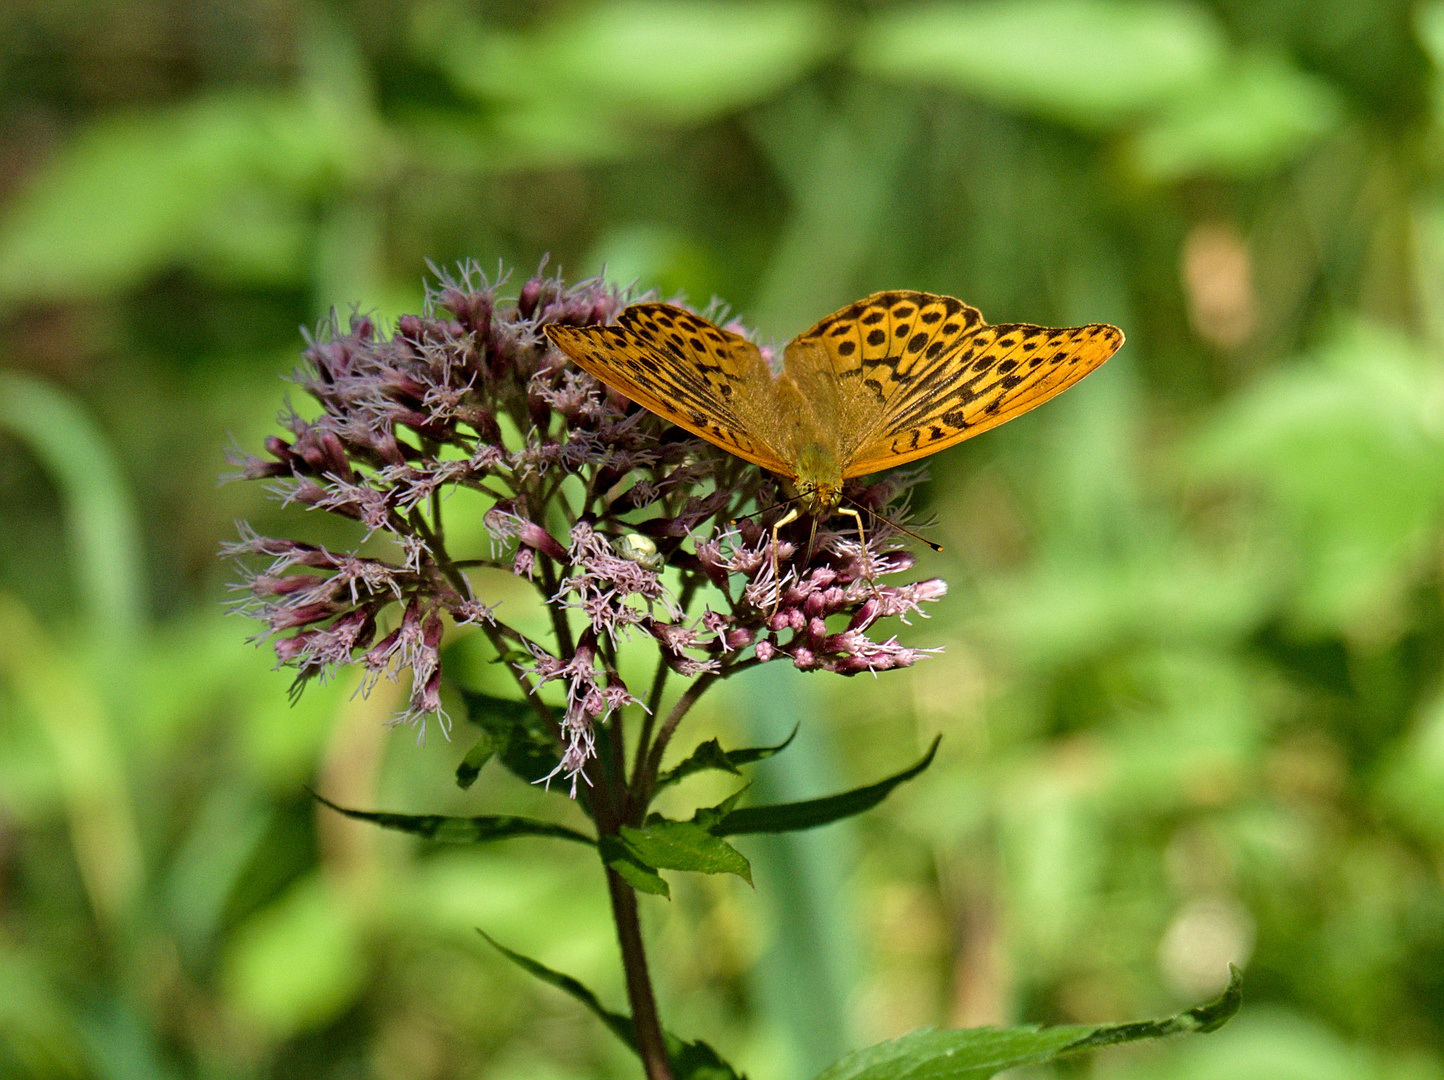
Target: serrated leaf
<point x="710" y="755"/>
<point x="690" y="1060"/>
<point x="618" y="856"/>
<point x="792" y="817"/>
<point x="683" y="845"/>
<point x="476" y="758"/>
<point x="979" y="1053"/>
<point x="461" y="830"/>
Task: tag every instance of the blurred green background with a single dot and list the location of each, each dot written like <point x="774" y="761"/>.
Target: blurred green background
<point x="1191" y="690"/>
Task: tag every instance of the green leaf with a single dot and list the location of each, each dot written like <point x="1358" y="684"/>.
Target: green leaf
<point x="658" y="61"/>
<point x="476" y="758"/>
<point x="1087" y="62"/>
<point x="619" y="856"/>
<point x="683" y="845"/>
<point x="523" y="743"/>
<point x="105" y="535"/>
<point x="710" y="755"/>
<point x="461" y="830"/>
<point x="617" y="1023"/>
<point x="978" y="1053"/>
<point x="792" y="817"/>
<point x="690" y="1060"/>
<point x="1254" y="116"/>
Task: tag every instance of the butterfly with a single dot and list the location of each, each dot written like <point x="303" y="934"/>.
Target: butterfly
<point x="886" y="380"/>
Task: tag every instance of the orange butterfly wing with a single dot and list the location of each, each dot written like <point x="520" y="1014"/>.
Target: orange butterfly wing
<point x="921" y="372"/>
<point x="683" y="368"/>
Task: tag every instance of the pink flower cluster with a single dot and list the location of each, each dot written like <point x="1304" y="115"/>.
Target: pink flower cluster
<point x="622" y="522"/>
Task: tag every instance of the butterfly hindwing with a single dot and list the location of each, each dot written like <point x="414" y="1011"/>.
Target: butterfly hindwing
<point x="681" y="367"/>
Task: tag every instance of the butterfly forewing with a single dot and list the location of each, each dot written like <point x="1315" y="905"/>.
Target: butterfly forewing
<point x="683" y="368"/>
<point x="879" y="341"/>
<point x="998" y="373"/>
<point x="920" y="372"/>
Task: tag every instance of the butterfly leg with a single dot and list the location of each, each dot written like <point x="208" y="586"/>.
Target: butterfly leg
<point x="786" y="519"/>
<point x="866" y="558"/>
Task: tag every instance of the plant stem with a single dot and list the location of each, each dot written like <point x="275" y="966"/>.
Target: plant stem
<point x="650" y="1045"/>
<point x="643" y="789"/>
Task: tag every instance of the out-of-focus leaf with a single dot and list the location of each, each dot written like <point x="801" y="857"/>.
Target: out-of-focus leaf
<point x="104" y="533"/>
<point x="1087" y="62"/>
<point x="462" y="830"/>
<point x="513" y="136"/>
<point x="221" y="840"/>
<point x="619" y="856"/>
<point x="476" y="758"/>
<point x="811" y="813"/>
<point x="673" y="262"/>
<point x="214" y="184"/>
<point x="690" y="1060"/>
<point x="1253" y="116"/>
<point x="710" y="755"/>
<point x="979" y="1053"/>
<point x="41" y="677"/>
<point x="298" y="963"/>
<point x="1272" y="1044"/>
<point x="554" y="909"/>
<point x="522" y="744"/>
<point x="684" y="845"/>
<point x="38" y="1037"/>
<point x="1063" y="612"/>
<point x="659" y="61"/>
<point x="1411" y="777"/>
<point x="1349" y="447"/>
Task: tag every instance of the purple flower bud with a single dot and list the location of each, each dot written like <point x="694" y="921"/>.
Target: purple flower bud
<point x="531" y="294"/>
<point x="289" y="648"/>
<point x="280" y="449"/>
<point x="271" y="585"/>
<point x="765" y="650"/>
<point x="534" y="536"/>
<point x="865" y="615"/>
<point x="814" y="605"/>
<point x="739" y="638"/>
<point x="472" y="310"/>
<point x="286" y="618"/>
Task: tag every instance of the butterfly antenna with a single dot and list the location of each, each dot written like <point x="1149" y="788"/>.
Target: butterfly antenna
<point x="763" y="510"/>
<point x="893" y="524"/>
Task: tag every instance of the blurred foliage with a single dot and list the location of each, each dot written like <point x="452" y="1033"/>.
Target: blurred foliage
<point x="1191" y="691"/>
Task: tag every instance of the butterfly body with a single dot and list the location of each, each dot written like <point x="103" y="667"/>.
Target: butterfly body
<point x="889" y="379"/>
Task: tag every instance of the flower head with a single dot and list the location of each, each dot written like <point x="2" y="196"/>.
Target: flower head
<point x="620" y="520"/>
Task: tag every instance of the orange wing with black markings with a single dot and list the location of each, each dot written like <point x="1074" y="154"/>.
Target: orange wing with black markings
<point x="683" y="368"/>
<point x="919" y="372"/>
